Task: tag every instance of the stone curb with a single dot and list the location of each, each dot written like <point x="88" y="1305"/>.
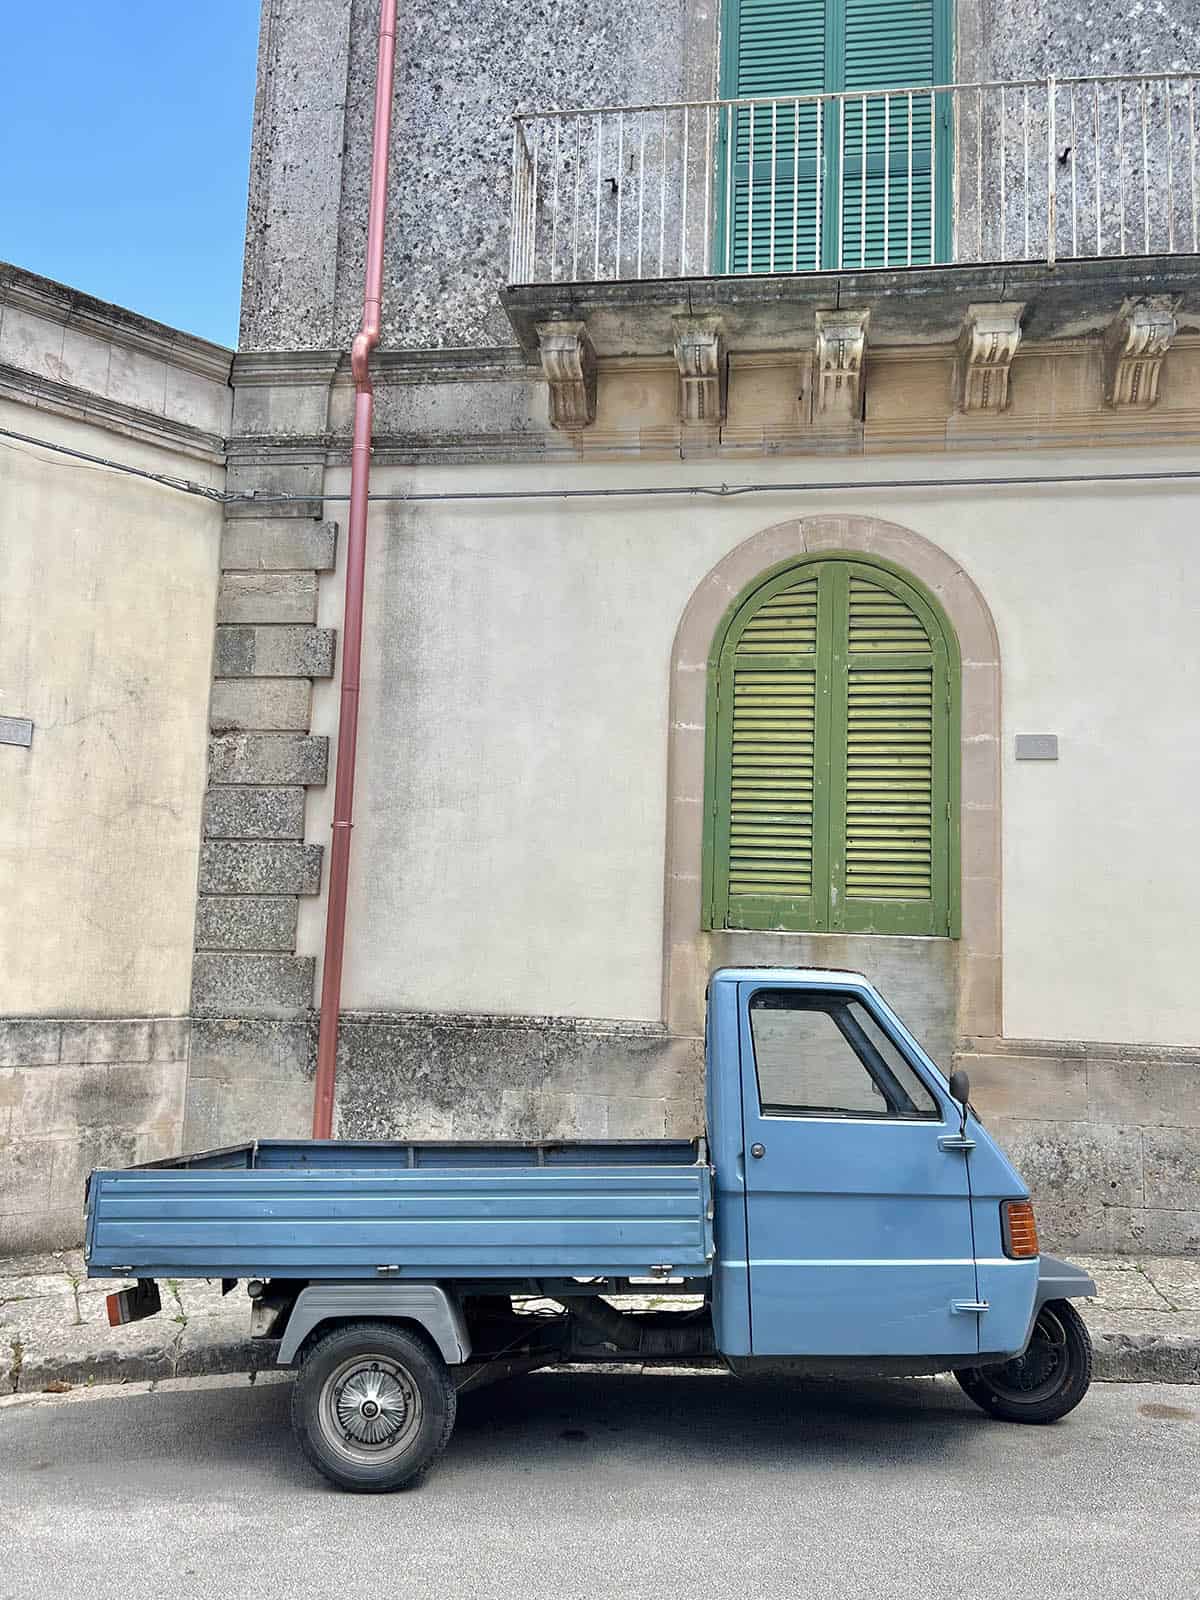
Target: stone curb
<point x="1120" y="1358"/>
<point x="111" y="1367"/>
<point x="1148" y="1358"/>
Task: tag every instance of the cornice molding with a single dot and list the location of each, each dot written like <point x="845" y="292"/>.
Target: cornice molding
<point x="54" y="302"/>
<point x="114" y="416"/>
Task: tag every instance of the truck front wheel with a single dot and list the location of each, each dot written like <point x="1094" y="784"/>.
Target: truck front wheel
<point x="373" y="1406"/>
<point x="1047" y="1380"/>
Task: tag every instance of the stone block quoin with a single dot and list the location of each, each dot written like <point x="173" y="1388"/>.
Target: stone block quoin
<point x="254" y="863"/>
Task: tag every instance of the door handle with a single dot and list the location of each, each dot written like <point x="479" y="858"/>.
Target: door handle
<point x="758" y="1151"/>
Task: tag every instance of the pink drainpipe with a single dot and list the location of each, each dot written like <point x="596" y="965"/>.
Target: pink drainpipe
<point x="356" y="548"/>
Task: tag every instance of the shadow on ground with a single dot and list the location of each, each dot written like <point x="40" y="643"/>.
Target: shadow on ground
<point x="570" y="1423"/>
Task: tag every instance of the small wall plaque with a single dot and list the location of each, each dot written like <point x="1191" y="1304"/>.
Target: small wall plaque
<point x="16" y="730"/>
<point x="1037" y="747"/>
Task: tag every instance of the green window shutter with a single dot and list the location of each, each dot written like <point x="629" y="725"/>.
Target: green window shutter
<point x="833" y="775"/>
<point x="772" y="858"/>
<point x="880" y="163"/>
<point x="779" y="50"/>
<point x="887" y="46"/>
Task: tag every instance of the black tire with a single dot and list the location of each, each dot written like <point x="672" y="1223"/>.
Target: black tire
<point x="1049" y="1379"/>
<point x="372" y="1406"/>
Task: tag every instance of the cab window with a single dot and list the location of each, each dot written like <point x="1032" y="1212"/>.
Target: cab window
<point x="824" y="1054"/>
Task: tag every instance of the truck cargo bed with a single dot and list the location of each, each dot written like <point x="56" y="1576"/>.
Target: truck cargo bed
<point x="335" y="1209"/>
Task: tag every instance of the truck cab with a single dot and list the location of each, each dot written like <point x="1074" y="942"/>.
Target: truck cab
<point x="861" y="1209"/>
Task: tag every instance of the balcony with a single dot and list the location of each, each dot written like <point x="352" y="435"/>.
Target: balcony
<point x="966" y="174"/>
<point x="756" y="207"/>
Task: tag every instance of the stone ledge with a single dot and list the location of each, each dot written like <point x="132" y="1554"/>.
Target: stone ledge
<point x="763" y="312"/>
<point x="149" y="427"/>
<point x="73" y="1041"/>
<point x="1079" y="1049"/>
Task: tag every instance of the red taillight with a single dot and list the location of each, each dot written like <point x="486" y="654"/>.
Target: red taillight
<point x="1019" y="1229"/>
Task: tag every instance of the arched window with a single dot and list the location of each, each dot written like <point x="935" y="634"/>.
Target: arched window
<point x="832" y="771"/>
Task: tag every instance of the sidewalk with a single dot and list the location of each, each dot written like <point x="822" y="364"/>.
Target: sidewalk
<point x="53" y="1329"/>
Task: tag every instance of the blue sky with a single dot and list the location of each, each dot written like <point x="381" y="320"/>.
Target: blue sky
<point x="125" y="149"/>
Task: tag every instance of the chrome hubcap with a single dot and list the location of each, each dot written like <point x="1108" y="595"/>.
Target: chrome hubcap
<point x="370" y="1408"/>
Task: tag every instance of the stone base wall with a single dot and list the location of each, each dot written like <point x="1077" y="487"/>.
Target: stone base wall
<point x="76" y="1094"/>
<point x="1107" y="1136"/>
<point x="427" y="1075"/>
<point x="436" y="1076"/>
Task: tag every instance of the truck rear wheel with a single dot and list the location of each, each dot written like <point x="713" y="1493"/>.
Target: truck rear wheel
<point x="1047" y="1380"/>
<point x="373" y="1406"/>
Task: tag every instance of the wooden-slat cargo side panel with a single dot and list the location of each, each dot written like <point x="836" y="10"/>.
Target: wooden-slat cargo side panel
<point x="452" y="1223"/>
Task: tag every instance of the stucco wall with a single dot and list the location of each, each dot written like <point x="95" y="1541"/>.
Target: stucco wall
<point x="107" y="594"/>
<point x="108" y="588"/>
<point x="511" y="811"/>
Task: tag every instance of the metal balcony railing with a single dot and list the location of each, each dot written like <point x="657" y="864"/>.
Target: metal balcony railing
<point x="1036" y="170"/>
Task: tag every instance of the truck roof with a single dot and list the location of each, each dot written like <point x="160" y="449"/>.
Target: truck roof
<point x="774" y="974"/>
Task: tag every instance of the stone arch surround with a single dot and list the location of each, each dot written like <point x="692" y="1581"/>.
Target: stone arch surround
<point x="689" y="953"/>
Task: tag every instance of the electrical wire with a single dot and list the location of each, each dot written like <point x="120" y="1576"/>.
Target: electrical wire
<point x="185" y="485"/>
<point x="716" y="491"/>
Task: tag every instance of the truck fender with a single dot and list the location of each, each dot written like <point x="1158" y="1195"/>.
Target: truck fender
<point x="426" y="1304"/>
<point x="1059" y="1280"/>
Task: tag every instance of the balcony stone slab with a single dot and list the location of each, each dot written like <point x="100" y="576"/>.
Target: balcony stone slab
<point x="918" y="306"/>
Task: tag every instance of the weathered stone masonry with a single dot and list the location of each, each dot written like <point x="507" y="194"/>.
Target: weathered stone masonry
<point x="251" y="992"/>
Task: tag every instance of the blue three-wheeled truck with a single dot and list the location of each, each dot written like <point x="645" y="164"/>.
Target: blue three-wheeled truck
<point x="846" y="1210"/>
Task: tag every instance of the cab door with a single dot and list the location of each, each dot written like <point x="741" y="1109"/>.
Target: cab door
<point x="858" y="1216"/>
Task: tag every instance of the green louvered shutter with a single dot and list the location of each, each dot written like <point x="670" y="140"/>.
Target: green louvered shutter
<point x="887" y="46"/>
<point x="890" y="824"/>
<point x="833" y="773"/>
<point x="780" y="50"/>
<point x="773" y="808"/>
<point x="777" y="48"/>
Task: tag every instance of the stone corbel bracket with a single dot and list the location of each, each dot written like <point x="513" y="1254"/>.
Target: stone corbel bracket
<point x="569" y="363"/>
<point x="838" y="361"/>
<point x="1135" y="347"/>
<point x="986" y="347"/>
<point x="700" y="353"/>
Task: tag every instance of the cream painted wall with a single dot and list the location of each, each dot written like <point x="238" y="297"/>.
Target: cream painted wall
<point x="508" y="853"/>
<point x="107" y="598"/>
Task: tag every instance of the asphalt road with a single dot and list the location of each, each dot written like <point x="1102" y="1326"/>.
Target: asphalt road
<point x="613" y="1487"/>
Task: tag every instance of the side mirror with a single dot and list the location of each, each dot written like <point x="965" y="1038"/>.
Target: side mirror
<point x="960" y="1088"/>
